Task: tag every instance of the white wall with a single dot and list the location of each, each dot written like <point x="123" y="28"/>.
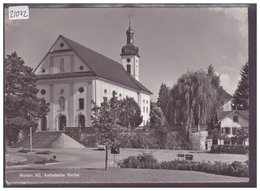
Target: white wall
<point x="141" y="98"/>
<point x="227" y="105"/>
<point x="134" y="65"/>
<point x="229" y="123"/>
<point x="101" y="86"/>
<point x="145" y="108"/>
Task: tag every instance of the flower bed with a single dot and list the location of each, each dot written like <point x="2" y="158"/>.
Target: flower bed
<point x="45" y="152"/>
<point x="25" y="151"/>
<point x="147" y="161"/>
<point x="46" y="161"/>
<point x="16" y="163"/>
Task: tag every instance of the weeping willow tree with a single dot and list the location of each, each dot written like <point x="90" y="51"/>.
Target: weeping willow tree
<point x="192" y="101"/>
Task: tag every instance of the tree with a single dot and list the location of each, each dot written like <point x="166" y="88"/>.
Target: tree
<point x="215" y="81"/>
<point x="22" y="107"/>
<point x="105" y="120"/>
<point x="241" y="96"/>
<point x="159" y="123"/>
<point x="192" y="100"/>
<point x="242" y="134"/>
<point x="157" y="118"/>
<point x="130" y="113"/>
<point x="163" y="98"/>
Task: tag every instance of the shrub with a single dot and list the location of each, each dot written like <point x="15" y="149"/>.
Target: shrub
<point x="90" y="141"/>
<point x="46" y="160"/>
<point x="25" y="150"/>
<point x="235" y="149"/>
<point x="148" y="161"/>
<point x="47" y="152"/>
<point x="238" y="169"/>
<point x="143" y="160"/>
<point x="17" y="163"/>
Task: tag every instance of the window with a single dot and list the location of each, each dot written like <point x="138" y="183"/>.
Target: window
<point x="62" y="103"/>
<point x="227" y="130"/>
<point x="226" y="142"/>
<point x="81" y="89"/>
<point x="81" y="103"/>
<point x="62" y="65"/>
<point x="234" y="130"/>
<point x="128" y="69"/>
<point x="144" y="109"/>
<point x="235" y="119"/>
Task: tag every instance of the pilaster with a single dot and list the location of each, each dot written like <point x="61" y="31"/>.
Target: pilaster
<point x="51" y="121"/>
<point x="71" y="106"/>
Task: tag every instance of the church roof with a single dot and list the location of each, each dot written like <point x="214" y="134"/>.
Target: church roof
<point x="105" y="67"/>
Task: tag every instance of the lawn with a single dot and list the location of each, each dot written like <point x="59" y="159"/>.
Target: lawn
<point x="115" y="175"/>
<point x="82" y="160"/>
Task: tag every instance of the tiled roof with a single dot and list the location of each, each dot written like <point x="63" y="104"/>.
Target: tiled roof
<point x="244" y="113"/>
<point x="223" y="114"/>
<point x="105" y="67"/>
<point x="227" y="95"/>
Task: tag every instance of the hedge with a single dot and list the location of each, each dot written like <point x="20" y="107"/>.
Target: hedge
<point x="148" y="161"/>
<point x="235" y="149"/>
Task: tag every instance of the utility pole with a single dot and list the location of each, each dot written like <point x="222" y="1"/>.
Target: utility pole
<point x="30" y="139"/>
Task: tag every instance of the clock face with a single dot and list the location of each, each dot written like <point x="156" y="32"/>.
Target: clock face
<point x="128" y="60"/>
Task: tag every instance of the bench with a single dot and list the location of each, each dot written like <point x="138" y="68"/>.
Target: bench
<point x="180" y="156"/>
<point x="188" y="157"/>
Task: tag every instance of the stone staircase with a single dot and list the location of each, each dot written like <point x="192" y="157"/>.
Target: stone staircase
<point x="49" y="140"/>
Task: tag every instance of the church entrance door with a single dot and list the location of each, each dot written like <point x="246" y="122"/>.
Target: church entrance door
<point x="81" y="121"/>
<point x="44" y="124"/>
<point x="62" y="122"/>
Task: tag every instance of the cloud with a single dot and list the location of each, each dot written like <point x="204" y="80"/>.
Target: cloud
<point x="228" y="84"/>
<point x="240" y="14"/>
<point x="228" y="68"/>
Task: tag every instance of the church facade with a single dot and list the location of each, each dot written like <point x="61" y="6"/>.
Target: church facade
<point x="71" y="75"/>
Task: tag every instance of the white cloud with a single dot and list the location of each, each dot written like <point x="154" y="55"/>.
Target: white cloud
<point x="228" y="68"/>
<point x="240" y="14"/>
<point x="228" y="84"/>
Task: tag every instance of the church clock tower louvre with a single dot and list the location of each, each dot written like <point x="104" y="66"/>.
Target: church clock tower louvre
<point x="130" y="54"/>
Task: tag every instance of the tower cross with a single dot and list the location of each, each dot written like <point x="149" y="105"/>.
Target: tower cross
<point x="130" y="19"/>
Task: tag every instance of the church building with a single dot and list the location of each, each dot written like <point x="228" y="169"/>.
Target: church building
<point x="71" y="75"/>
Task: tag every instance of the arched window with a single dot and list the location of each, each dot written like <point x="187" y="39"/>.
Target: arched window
<point x="128" y="69"/>
<point x="62" y="103"/>
<point x="62" y="64"/>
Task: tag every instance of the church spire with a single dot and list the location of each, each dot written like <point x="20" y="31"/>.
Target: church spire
<point x="130" y="34"/>
<point x="130" y="48"/>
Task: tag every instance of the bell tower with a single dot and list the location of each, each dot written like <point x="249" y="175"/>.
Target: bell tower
<point x="130" y="54"/>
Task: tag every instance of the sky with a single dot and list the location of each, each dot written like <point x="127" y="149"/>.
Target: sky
<point x="170" y="40"/>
